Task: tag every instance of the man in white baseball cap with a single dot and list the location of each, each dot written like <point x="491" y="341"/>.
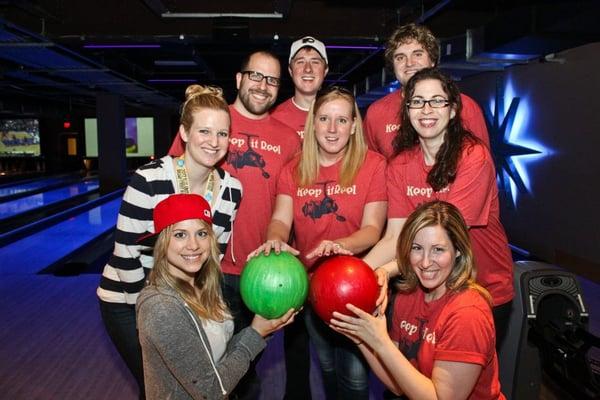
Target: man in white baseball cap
<point x="308" y="66"/>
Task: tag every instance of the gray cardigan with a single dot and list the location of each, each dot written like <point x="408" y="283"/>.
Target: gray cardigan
<point x="178" y="362"/>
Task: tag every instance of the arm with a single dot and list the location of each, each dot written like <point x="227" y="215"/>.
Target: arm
<point x="278" y="231"/>
<point x="134" y="219"/>
<point x="450" y="380"/>
<point x="382" y="258"/>
<point x="385" y="250"/>
<point x="372" y="222"/>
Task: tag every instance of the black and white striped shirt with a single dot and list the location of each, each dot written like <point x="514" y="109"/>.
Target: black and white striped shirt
<point x="125" y="273"/>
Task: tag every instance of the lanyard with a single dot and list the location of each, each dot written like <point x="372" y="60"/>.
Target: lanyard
<point x="184" y="184"/>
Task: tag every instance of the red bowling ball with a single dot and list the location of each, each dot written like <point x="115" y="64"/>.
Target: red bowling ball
<point x="341" y="280"/>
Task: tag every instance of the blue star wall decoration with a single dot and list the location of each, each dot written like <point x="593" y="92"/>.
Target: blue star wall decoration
<point x="511" y="146"/>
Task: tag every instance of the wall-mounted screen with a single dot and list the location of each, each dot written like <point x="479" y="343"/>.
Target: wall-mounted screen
<point x="19" y="137"/>
<point x="139" y="137"/>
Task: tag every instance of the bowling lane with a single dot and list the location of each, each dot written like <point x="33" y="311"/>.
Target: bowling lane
<point x="32" y="185"/>
<point x="24" y="204"/>
<point x="35" y="252"/>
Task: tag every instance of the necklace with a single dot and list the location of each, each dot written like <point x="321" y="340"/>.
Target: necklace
<point x="184" y="184"/>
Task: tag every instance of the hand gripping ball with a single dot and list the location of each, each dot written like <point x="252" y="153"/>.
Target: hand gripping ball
<point x="341" y="280"/>
<point x="271" y="285"/>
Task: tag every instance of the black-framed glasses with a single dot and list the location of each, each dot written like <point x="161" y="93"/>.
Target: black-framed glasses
<point x="418" y="102"/>
<point x="258" y="77"/>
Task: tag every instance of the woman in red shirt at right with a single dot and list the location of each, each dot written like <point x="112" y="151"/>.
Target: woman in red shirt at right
<point x="438" y="159"/>
<point x="441" y="342"/>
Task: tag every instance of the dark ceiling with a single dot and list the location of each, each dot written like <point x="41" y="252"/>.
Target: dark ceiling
<point x="51" y="53"/>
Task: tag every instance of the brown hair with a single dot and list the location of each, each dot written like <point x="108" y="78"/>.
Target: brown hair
<point x="205" y="297"/>
<point x="446" y="160"/>
<point x="446" y="215"/>
<point x="264" y="52"/>
<point x="419" y="33"/>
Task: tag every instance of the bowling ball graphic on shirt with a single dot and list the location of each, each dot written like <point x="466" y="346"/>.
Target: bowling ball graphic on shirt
<point x="247" y="158"/>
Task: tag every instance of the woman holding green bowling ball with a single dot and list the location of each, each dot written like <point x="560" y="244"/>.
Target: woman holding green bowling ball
<point x="185" y="328"/>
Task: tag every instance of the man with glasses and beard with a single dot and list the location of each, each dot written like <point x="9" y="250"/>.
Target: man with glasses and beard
<point x="259" y="146"/>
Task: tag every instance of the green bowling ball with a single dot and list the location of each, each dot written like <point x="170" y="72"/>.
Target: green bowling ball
<point x="271" y="285"/>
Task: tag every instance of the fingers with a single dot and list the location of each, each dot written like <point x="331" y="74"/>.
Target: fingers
<point x="381" y="298"/>
<point x="271" y="245"/>
<point x="327" y="248"/>
<point x="342" y="331"/>
<point x="382" y="280"/>
<point x="274" y="245"/>
<point x="289" y="315"/>
<point x="343" y="251"/>
<point x="292" y="250"/>
<point x="358" y="312"/>
<point x="263" y="248"/>
<point x="382" y="277"/>
<point x="381" y="309"/>
<point x="347" y="325"/>
<point x="338" y="316"/>
<point x="267" y="326"/>
<point x="285" y="319"/>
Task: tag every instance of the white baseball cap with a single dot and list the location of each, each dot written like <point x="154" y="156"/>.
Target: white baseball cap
<point x="308" y="41"/>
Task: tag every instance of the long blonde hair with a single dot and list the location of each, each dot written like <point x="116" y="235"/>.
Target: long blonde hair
<point x="447" y="216"/>
<point x="205" y="297"/>
<point x="307" y="170"/>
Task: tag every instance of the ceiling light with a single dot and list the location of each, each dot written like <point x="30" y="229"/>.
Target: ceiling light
<point x="355" y="47"/>
<point x="222" y="15"/>
<point x="172" y="80"/>
<point x="175" y="63"/>
<point x="121" y="46"/>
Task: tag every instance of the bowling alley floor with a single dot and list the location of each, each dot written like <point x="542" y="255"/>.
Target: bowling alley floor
<point x="53" y="344"/>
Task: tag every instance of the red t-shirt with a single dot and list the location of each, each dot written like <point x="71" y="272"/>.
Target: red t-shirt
<point x="273" y="144"/>
<point x="457" y="327"/>
<point x="475" y="194"/>
<point x="291" y="115"/>
<point x="382" y="122"/>
<point x="327" y="211"/>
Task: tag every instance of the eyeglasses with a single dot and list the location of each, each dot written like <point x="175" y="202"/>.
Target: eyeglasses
<point x="433" y="103"/>
<point x="258" y="77"/>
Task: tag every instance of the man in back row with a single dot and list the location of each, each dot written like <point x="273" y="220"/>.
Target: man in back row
<point x="410" y="49"/>
<point x="308" y="66"/>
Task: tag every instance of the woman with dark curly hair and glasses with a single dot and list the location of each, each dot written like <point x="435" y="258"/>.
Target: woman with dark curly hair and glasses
<point x="333" y="195"/>
<point x="436" y="158"/>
